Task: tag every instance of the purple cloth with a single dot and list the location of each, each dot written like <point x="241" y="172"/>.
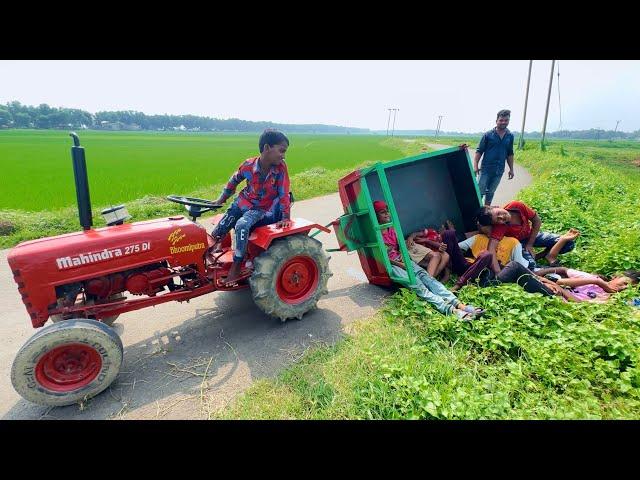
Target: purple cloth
<point x="459" y="263"/>
<point x="590" y="292"/>
<point x="473" y="271"/>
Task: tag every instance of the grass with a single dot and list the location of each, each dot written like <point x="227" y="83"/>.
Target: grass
<point x="124" y="166"/>
<point x="332" y="157"/>
<point x="529" y="357"/>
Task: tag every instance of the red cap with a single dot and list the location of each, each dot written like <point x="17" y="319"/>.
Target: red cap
<point x="379" y="205"/>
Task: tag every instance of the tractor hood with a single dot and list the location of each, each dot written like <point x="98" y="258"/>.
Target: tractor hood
<point x="39" y="266"/>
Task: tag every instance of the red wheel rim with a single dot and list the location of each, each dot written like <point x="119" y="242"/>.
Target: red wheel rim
<point x="297" y="279"/>
<point x="68" y="367"/>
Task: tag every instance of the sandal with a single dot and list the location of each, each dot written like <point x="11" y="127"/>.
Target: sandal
<point x="464" y="316"/>
<point x="477" y="312"/>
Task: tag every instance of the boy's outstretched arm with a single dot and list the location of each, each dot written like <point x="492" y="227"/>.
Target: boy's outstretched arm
<point x="559" y="291"/>
<point x="577" y="282"/>
<point x="562" y="271"/>
<point x="230" y="187"/>
<point x="284" y="187"/>
<point x="536" y="223"/>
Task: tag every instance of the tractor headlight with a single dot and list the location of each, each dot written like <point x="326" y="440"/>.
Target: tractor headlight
<point x="115" y="215"/>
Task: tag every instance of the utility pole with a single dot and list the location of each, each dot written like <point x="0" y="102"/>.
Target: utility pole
<point x="438" y="127"/>
<point x="393" y="129"/>
<point x="546" y="112"/>
<point x="524" y="116"/>
<point x="617" y="123"/>
<point x="559" y="103"/>
<point x="388" y="120"/>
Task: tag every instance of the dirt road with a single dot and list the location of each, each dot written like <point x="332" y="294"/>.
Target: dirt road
<point x="186" y="360"/>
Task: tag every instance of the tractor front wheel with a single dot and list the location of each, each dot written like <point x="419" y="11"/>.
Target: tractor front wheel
<point x="290" y="277"/>
<point x="67" y="362"/>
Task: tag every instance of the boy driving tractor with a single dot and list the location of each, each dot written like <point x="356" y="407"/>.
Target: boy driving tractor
<point x="263" y="201"/>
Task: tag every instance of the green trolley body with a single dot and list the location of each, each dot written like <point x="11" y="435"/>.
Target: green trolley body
<point x="421" y="191"/>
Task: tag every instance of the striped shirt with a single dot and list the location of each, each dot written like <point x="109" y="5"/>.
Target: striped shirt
<point x="262" y="192"/>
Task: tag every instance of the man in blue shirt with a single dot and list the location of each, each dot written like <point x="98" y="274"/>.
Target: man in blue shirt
<point x="497" y="146"/>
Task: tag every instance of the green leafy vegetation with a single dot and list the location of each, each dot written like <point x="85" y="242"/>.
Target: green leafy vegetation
<point x="529" y="357"/>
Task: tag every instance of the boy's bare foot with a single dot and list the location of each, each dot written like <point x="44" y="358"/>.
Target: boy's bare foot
<point x="234" y="273"/>
<point x="572" y="234"/>
<point x="216" y="246"/>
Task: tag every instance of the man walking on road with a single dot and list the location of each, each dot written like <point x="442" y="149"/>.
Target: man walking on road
<point x="495" y="147"/>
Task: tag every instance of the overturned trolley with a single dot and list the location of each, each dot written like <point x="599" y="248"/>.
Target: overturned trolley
<point x="421" y="191"/>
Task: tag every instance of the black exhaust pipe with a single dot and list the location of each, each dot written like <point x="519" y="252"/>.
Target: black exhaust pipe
<point x="82" y="183"/>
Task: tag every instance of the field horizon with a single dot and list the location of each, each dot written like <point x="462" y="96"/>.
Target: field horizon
<point x="124" y="166"/>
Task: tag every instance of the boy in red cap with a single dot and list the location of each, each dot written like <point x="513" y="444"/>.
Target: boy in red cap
<point x="426" y="287"/>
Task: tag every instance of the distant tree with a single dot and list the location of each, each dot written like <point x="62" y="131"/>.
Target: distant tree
<point x="5" y="117"/>
<point x="21" y="120"/>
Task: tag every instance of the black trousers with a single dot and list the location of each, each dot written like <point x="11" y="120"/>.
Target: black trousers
<point x="515" y="273"/>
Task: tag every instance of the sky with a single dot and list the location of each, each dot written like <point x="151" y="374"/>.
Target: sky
<point x="351" y="93"/>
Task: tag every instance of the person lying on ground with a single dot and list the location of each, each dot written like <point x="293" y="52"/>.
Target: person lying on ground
<point x="515" y="272"/>
<point x="582" y="286"/>
<point x="512" y="264"/>
<point x="578" y="286"/>
<point x="469" y="268"/>
<point x="520" y="221"/>
<point x="426" y="287"/>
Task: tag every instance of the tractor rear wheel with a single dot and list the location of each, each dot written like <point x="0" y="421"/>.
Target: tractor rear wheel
<point x="67" y="362"/>
<point x="290" y="277"/>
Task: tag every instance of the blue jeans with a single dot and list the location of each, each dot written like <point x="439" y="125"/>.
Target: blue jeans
<point x="546" y="240"/>
<point x="488" y="184"/>
<point x="429" y="289"/>
<point x="243" y="222"/>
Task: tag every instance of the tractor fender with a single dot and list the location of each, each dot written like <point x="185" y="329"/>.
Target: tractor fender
<point x="263" y="236"/>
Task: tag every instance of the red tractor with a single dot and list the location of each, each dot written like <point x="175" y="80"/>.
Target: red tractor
<point x="81" y="281"/>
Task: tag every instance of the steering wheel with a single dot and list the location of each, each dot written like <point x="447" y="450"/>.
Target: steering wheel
<point x="193" y="202"/>
<point x="195" y="206"/>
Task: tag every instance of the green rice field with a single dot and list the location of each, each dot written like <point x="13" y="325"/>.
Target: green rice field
<point x="123" y="166"/>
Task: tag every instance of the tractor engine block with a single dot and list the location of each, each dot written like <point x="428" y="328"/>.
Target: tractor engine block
<point x="149" y="282"/>
<point x="141" y="281"/>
